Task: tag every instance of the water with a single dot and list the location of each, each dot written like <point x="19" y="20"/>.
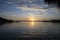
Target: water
<point x="29" y="30"/>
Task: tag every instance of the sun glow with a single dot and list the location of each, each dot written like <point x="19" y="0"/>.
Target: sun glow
<point x="32" y="23"/>
<point x="32" y="19"/>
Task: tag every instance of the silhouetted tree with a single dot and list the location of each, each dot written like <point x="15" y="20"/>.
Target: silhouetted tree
<point x="3" y="20"/>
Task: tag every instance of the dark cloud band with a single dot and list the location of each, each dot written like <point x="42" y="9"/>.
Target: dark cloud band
<point x="53" y="1"/>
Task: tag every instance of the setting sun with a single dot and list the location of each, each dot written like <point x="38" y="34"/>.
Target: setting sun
<point x="32" y="19"/>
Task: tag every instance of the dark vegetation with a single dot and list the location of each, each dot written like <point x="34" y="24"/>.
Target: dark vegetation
<point x="53" y="21"/>
<point x="3" y="20"/>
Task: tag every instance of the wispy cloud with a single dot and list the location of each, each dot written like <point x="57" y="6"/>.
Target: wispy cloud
<point x="25" y="8"/>
<point x="22" y="7"/>
<point x="29" y="5"/>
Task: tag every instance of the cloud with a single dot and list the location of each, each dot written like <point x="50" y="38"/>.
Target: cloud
<point x="25" y="8"/>
<point x="29" y="3"/>
<point x="57" y="2"/>
<point x="36" y="6"/>
<point x="53" y="10"/>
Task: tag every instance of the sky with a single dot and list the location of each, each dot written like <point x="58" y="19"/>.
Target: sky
<point x="26" y="9"/>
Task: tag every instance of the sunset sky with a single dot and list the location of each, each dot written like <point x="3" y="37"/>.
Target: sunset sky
<point x="28" y="9"/>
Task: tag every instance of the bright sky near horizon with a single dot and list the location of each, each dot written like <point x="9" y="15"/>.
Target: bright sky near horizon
<point x="25" y="9"/>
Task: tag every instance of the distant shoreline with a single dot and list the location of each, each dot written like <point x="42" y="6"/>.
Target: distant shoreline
<point x="3" y="20"/>
<point x="53" y="21"/>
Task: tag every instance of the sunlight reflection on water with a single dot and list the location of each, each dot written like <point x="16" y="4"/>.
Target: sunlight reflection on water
<point x="30" y="29"/>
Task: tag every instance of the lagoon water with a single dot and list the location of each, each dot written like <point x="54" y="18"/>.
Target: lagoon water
<point x="30" y="30"/>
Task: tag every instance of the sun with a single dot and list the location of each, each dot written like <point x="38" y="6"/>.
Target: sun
<point x="32" y="19"/>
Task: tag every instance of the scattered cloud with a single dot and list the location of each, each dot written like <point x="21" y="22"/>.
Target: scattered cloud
<point x="25" y="8"/>
<point x="30" y="5"/>
<point x="36" y="7"/>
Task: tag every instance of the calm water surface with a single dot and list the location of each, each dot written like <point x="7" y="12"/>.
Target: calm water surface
<point x="29" y="29"/>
